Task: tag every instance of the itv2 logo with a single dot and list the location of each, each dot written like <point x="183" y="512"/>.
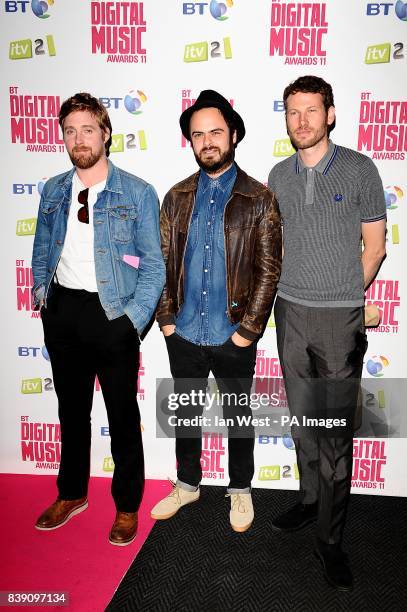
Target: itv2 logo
<point x="199" y="52"/>
<point x="26" y="48"/>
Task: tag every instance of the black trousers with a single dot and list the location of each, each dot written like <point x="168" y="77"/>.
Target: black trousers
<point x="233" y="369"/>
<point x="83" y="343"/>
<point x="321" y="353"/>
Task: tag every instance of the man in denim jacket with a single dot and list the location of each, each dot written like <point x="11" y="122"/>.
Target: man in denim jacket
<point x="98" y="274"/>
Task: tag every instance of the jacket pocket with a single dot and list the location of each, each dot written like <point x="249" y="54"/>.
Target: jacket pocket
<point x="122" y="223"/>
<point x="50" y="206"/>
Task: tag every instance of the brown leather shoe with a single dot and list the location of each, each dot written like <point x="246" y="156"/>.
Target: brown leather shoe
<point x="124" y="528"/>
<point x="60" y="512"/>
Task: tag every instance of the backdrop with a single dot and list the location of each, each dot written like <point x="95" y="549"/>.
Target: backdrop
<point x="147" y="61"/>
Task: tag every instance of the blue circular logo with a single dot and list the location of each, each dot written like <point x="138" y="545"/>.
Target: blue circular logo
<point x="401" y="10"/>
<point x="338" y="197"/>
<point x="45" y="353"/>
<point x="288" y="442"/>
<point x="218" y="9"/>
<point x="40" y="8"/>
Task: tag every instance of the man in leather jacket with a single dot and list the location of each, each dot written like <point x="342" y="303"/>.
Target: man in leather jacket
<point x="221" y="242"/>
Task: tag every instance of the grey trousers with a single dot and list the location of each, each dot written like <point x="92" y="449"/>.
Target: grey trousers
<point x="321" y="353"/>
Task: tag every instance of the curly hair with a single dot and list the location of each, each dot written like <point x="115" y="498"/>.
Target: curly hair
<point x="310" y="84"/>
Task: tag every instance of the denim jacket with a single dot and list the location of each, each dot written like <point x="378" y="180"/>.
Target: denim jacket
<point x="125" y="218"/>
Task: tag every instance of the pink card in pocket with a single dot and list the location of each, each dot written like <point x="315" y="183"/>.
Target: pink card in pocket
<point x="132" y="260"/>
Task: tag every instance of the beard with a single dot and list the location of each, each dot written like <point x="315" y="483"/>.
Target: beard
<point x="218" y="161"/>
<point x="314" y="137"/>
<point x="84" y="158"/>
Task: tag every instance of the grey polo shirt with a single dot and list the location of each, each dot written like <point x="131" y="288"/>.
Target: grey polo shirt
<point x="322" y="209"/>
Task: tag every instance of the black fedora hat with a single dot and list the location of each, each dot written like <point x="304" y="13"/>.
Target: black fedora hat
<point x="212" y="99"/>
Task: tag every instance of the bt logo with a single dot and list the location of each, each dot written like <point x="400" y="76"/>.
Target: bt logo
<point x="105" y="431"/>
<point x="198" y="52"/>
<point x="41" y="183"/>
<point x="376" y="364"/>
<point x="28" y="188"/>
<point x="393" y="196"/>
<point x="383" y="8"/>
<point x="133" y="103"/>
<point x="110" y="102"/>
<point x="120" y="142"/>
<point x="286" y="440"/>
<point x="218" y="10"/>
<point x="33" y="351"/>
<point x="40" y="8"/>
<point x="23" y="49"/>
<point x="401" y="10"/>
<point x="13" y="6"/>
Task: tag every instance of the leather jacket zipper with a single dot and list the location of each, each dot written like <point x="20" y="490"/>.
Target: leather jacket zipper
<point x="226" y="267"/>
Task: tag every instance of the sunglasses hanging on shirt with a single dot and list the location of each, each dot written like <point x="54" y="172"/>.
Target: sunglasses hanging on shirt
<point x="83" y="213"/>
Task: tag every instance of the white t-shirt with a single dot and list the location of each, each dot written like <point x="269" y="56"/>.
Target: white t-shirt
<point x="76" y="267"/>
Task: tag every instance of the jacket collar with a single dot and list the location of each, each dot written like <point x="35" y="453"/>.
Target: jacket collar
<point x="113" y="181"/>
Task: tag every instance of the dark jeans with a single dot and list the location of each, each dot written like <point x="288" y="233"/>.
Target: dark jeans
<point x="83" y="343"/>
<point x="233" y="369"/>
<point x="321" y="353"/>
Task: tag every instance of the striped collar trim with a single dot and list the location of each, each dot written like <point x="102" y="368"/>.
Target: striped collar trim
<point x="331" y="160"/>
<point x="320" y="167"/>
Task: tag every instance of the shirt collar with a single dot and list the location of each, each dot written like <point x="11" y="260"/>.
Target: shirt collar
<point x="77" y="183"/>
<point x="323" y="165"/>
<point x="79" y="186"/>
<point x="221" y="182"/>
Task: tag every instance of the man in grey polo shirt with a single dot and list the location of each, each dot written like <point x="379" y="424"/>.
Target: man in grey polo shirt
<point x="330" y="197"/>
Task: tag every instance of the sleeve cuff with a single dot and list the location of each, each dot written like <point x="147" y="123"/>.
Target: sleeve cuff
<point x="38" y="294"/>
<point x="166" y="320"/>
<point x="245" y="333"/>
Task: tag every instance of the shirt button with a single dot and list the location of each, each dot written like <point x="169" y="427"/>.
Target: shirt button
<point x="204" y="292"/>
<point x="203" y="314"/>
<point x="212" y="201"/>
<point x="209" y="222"/>
<point x="206" y="246"/>
<point x="204" y="270"/>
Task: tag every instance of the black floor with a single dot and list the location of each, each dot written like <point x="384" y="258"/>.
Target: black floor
<point x="194" y="562"/>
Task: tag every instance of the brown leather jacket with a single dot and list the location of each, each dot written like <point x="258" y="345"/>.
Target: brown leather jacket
<point x="252" y="251"/>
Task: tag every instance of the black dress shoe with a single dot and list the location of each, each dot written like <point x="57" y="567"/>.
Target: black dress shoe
<point x="336" y="566"/>
<point x="298" y="517"/>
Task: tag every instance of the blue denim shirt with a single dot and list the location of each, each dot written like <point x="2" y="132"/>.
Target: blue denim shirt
<point x="203" y="315"/>
<point x="125" y="218"/>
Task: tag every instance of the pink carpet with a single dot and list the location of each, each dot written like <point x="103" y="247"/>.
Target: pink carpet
<point x="76" y="558"/>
